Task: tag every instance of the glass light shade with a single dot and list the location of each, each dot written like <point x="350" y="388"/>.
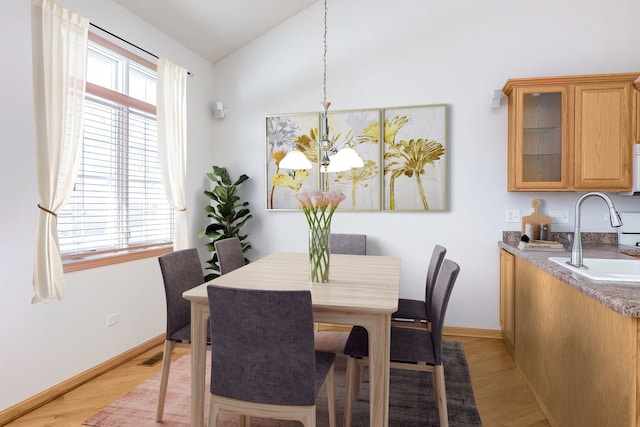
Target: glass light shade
<point x="295" y="160"/>
<point x="337" y="163"/>
<point x="346" y="158"/>
<point x="351" y="157"/>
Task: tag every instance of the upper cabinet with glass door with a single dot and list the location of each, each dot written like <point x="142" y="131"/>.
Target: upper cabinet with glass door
<point x="570" y="133"/>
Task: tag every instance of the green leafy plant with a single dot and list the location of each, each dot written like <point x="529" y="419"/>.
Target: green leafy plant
<point x="228" y="215"/>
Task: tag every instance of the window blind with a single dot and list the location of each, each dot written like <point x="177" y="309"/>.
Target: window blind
<point x="118" y="203"/>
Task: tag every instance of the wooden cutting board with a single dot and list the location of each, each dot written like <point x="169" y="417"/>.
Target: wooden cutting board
<point x="536" y="219"/>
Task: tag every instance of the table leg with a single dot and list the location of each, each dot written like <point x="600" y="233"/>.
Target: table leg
<point x="379" y="348"/>
<point x="198" y="358"/>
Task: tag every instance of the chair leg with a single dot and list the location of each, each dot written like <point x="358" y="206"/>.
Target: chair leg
<point x="349" y="383"/>
<point x="441" y="396"/>
<point x="245" y="421"/>
<point x="331" y="396"/>
<point x="435" y="387"/>
<point x="164" y="376"/>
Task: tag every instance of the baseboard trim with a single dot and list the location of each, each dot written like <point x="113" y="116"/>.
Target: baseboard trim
<point x="18" y="410"/>
<point x="472" y="332"/>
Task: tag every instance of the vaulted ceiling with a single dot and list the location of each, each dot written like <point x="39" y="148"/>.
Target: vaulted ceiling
<point x="215" y="28"/>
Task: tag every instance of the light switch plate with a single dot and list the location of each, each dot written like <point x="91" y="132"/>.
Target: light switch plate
<point x="512" y="215"/>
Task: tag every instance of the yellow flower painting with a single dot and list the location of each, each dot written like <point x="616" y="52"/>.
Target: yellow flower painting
<point x="415" y="158"/>
<point x="283" y="134"/>
<point x="360" y="130"/>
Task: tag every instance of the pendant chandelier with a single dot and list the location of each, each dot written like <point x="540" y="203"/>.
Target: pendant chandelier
<point x="332" y="159"/>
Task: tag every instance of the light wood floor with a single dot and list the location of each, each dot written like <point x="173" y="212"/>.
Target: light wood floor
<point x="502" y="395"/>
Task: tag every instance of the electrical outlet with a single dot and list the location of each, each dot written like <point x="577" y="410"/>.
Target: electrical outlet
<point x="559" y="216"/>
<point x="113" y="319"/>
<point x="512" y="215"/>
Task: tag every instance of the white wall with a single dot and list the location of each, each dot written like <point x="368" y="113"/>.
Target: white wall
<point x="45" y="344"/>
<point x="384" y="53"/>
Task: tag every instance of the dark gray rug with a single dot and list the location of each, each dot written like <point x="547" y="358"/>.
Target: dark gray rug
<point x="411" y="398"/>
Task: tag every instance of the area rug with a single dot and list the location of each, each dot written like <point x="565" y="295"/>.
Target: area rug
<point x="411" y="401"/>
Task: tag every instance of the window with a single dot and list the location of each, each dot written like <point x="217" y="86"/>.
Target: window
<point x="118" y="208"/>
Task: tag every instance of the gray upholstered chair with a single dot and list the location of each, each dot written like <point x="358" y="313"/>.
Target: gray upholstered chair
<point x="413" y="312"/>
<point x="264" y="363"/>
<point x="181" y="271"/>
<point x="230" y="255"/>
<point x="411" y="348"/>
<point x="348" y="244"/>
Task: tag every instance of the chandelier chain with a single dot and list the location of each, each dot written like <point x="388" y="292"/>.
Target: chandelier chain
<point x="324" y="56"/>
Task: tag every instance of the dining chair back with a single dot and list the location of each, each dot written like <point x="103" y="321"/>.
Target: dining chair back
<point x="181" y="271"/>
<point x="264" y="363"/>
<point x="439" y="302"/>
<point x="348" y="244"/>
<point x="230" y="255"/>
<point x="415" y="313"/>
<point x="411" y="348"/>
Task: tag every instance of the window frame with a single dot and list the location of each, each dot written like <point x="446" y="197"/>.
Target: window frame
<point x="92" y="259"/>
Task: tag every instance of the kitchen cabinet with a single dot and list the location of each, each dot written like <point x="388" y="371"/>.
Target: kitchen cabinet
<point x="507" y="288"/>
<point x="571" y="133"/>
<point x="580" y="357"/>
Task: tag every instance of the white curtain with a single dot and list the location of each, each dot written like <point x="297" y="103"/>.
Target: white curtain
<point x="172" y="142"/>
<point x="59" y="50"/>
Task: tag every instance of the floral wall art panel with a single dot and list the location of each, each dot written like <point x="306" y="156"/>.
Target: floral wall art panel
<point x="359" y="129"/>
<point x="415" y="153"/>
<point x="283" y="133"/>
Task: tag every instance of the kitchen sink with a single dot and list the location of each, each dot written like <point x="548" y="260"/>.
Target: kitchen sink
<point x="605" y="270"/>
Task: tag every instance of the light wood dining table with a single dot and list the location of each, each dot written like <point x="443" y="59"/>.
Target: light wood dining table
<point x="362" y="290"/>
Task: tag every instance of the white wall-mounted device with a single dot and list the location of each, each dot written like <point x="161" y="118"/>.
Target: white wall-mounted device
<point x="496" y="96"/>
<point x="218" y="110"/>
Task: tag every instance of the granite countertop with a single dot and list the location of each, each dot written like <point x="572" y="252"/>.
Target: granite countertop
<point x="621" y="297"/>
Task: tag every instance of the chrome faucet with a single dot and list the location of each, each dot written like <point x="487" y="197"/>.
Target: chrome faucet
<point x="576" y="249"/>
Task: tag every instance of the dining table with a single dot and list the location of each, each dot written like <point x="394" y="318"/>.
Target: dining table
<point x="362" y="290"/>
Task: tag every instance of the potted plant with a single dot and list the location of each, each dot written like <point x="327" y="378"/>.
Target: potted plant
<point x="228" y="215"/>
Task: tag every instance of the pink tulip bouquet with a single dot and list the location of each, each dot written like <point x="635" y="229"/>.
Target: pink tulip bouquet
<point x="319" y="207"/>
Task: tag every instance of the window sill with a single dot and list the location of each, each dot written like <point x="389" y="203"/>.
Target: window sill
<point x="88" y="263"/>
